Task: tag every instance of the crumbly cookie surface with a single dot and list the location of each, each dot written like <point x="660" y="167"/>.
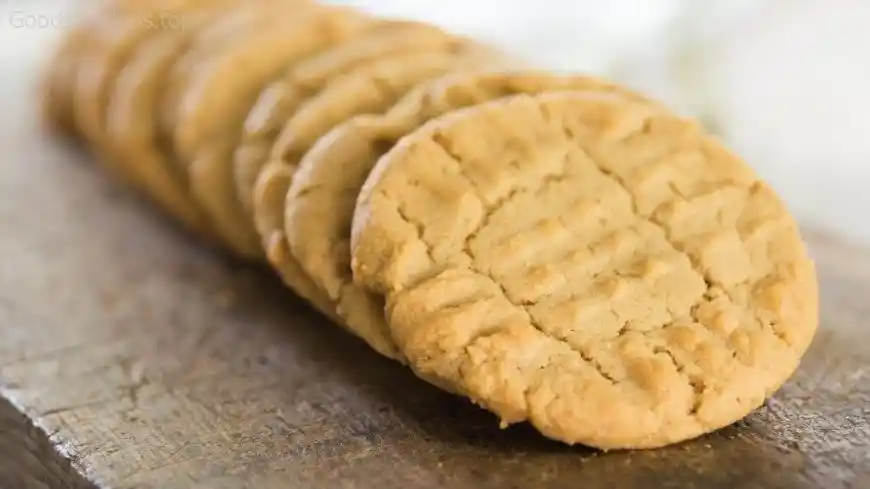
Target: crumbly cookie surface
<point x="598" y="267"/>
<point x="321" y="200"/>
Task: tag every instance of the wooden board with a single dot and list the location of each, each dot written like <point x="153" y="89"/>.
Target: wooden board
<point x="133" y="357"/>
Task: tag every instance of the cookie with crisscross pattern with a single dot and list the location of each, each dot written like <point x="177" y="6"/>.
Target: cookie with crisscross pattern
<point x="598" y="267"/>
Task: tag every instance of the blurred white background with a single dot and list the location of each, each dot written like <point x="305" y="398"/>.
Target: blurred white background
<point x="785" y="82"/>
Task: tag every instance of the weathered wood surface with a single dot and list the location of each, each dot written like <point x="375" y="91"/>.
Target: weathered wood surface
<point x="132" y="356"/>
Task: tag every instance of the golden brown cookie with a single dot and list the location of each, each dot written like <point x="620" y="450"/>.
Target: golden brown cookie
<point x="321" y="200"/>
<point x="372" y="88"/>
<point x="278" y="102"/>
<point x="228" y="84"/>
<point x="132" y="109"/>
<point x="598" y="267"/>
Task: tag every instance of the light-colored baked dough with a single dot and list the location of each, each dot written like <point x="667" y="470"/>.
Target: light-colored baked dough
<point x="598" y="267"/>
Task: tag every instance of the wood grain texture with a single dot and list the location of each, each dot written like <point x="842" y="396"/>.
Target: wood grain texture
<point x="132" y="356"/>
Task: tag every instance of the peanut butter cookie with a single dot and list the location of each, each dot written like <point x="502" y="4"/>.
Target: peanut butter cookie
<point x="321" y="200"/>
<point x="596" y="266"/>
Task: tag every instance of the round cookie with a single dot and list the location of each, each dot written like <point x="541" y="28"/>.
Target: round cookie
<point x="598" y="267"/>
<point x="132" y="110"/>
<point x="320" y="202"/>
<point x="369" y="89"/>
<point x="278" y="102"/>
<point x="205" y="143"/>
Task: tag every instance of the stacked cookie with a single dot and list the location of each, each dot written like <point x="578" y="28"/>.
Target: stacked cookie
<point x="558" y="249"/>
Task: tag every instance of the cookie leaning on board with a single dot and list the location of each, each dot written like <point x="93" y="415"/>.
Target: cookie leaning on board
<point x="555" y="248"/>
<point x="594" y="265"/>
